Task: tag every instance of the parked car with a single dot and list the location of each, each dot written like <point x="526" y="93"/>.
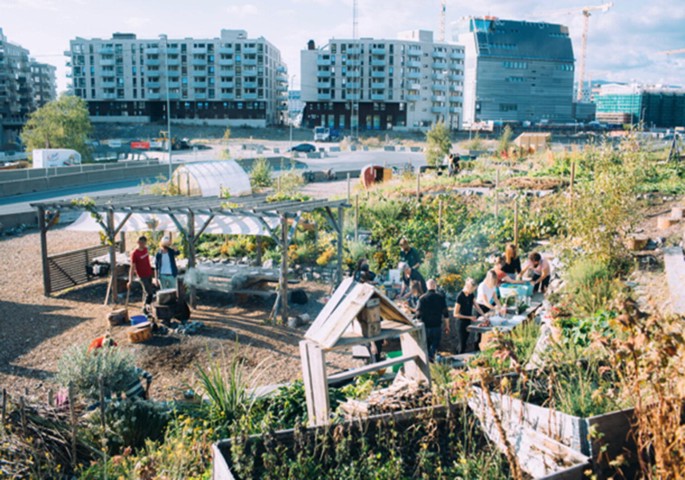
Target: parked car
<point x="303" y="148"/>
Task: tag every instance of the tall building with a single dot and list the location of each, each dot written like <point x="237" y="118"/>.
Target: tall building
<point x="655" y="106"/>
<point x="517" y="72"/>
<point x="18" y="88"/>
<point x="230" y="80"/>
<point x="44" y="83"/>
<point x="374" y="84"/>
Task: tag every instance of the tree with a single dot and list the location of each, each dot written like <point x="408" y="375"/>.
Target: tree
<point x="226" y="153"/>
<point x="62" y="123"/>
<point x="439" y="143"/>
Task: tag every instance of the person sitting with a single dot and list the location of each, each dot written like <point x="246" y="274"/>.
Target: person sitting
<point x="409" y="255"/>
<point x="408" y="275"/>
<point x="464" y="311"/>
<point x="502" y="276"/>
<point x="540" y="272"/>
<point x="363" y="274"/>
<point x="512" y="263"/>
<point x="486" y="297"/>
<point x="431" y="309"/>
<point x="415" y="293"/>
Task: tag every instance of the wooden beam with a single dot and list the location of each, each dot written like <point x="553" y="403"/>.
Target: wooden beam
<point x="203" y="227"/>
<point x="414" y="345"/>
<point x="341" y="212"/>
<point x="331" y="219"/>
<point x="190" y="236"/>
<point x="315" y="383"/>
<point x="374" y="367"/>
<point x="42" y="223"/>
<point x="283" y="282"/>
<point x="121" y="225"/>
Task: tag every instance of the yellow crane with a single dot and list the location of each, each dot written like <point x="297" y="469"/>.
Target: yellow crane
<point x="587" y="13"/>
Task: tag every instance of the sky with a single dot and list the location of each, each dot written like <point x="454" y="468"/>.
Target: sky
<point x="623" y="43"/>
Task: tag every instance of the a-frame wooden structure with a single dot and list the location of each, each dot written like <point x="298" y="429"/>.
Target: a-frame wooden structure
<point x="334" y="328"/>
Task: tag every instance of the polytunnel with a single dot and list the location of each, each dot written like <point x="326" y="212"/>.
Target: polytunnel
<point x="212" y="179"/>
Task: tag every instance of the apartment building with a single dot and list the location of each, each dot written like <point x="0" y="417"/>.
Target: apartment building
<point x="517" y="71"/>
<point x="378" y="84"/>
<point x="229" y="80"/>
<point x="44" y="83"/>
<point x="654" y="105"/>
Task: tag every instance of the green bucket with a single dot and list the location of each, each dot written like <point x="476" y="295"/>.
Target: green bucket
<point x="395" y="354"/>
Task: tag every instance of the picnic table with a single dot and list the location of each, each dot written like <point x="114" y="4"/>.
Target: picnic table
<point x="506" y="322"/>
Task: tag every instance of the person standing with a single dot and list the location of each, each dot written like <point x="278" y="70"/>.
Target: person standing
<point x="410" y="275"/>
<point x="409" y="255"/>
<point x="140" y="265"/>
<point x="464" y="313"/>
<point x="432" y="308"/>
<point x="166" y="270"/>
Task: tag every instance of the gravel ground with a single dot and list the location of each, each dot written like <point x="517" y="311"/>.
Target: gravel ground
<point x="35" y="330"/>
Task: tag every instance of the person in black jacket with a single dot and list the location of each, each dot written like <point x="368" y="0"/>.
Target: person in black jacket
<point x="165" y="265"/>
<point x="431" y="310"/>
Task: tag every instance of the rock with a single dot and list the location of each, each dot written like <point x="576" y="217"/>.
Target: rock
<point x="305" y="318"/>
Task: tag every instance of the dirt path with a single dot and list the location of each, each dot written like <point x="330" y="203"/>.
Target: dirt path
<point x="35" y="330"/>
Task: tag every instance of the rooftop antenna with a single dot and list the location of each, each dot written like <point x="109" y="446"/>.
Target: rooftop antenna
<point x="443" y="20"/>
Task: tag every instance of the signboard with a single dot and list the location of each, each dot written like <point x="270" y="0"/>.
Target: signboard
<point x="140" y="145"/>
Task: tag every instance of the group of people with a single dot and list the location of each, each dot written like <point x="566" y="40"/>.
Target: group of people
<point x="164" y="274"/>
<point x="474" y="301"/>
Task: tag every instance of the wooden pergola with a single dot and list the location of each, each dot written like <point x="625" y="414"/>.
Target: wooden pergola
<point x="183" y="212"/>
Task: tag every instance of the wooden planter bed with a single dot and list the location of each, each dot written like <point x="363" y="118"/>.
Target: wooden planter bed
<point x="381" y="431"/>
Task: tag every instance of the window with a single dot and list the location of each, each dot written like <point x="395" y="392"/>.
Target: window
<point x="515" y="65"/>
<point x="508" y="107"/>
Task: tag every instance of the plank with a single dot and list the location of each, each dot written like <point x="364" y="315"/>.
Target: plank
<point x="316" y="386"/>
<point x="332" y="303"/>
<point x="414" y="344"/>
<point x="344" y="315"/>
<point x="355" y="372"/>
<point x="389" y="329"/>
<point x="675" y="275"/>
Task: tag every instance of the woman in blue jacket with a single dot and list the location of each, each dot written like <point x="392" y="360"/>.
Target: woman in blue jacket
<point x="165" y="265"/>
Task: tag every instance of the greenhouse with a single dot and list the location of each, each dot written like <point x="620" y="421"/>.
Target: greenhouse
<point x="212" y="179"/>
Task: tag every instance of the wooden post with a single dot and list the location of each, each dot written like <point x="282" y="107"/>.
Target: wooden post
<point x="74" y="425"/>
<point x="418" y="183"/>
<point x="414" y="343"/>
<point x="259" y="250"/>
<point x="356" y="218"/>
<point x="349" y="188"/>
<point x="112" y="256"/>
<point x="341" y="233"/>
<point x="283" y="281"/>
<point x="191" y="255"/>
<point x="315" y="382"/>
<point x="4" y="406"/>
<point x="516" y="222"/>
<point x="47" y="287"/>
<point x="439" y="219"/>
<point x="122" y="242"/>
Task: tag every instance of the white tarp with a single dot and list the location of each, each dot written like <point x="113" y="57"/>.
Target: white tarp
<point x="145" y="222"/>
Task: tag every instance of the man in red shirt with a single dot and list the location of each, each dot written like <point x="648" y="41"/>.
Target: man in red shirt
<point x="140" y="265"/>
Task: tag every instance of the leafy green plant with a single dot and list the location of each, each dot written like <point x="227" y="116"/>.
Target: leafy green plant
<point x="260" y="175"/>
<point x="438" y="143"/>
<point x="114" y="367"/>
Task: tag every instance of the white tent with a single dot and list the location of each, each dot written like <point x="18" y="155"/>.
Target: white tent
<point x="147" y="222"/>
<point x="212" y="179"/>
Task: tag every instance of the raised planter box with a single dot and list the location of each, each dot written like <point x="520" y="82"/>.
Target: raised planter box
<point x="601" y="438"/>
<point x="546" y="451"/>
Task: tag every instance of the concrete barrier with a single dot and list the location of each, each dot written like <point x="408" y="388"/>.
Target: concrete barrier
<point x="29" y="173"/>
<point x="18" y="187"/>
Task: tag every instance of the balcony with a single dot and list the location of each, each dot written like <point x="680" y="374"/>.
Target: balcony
<point x="173" y="50"/>
<point x="152" y="51"/>
<point x="456" y="67"/>
<point x="173" y="73"/>
<point x="355" y="97"/>
<point x="378" y="85"/>
<point x="414" y="75"/>
<point x="106" y="62"/>
<point x="455" y="99"/>
<point x="324" y="84"/>
<point x="324" y="96"/>
<point x="378" y="51"/>
<point x="200" y="95"/>
<point x="455" y="77"/>
<point x="378" y="97"/>
<point x="198" y="50"/>
<point x="457" y="55"/>
<point x="353" y="63"/>
<point x="227" y="50"/>
<point x="455" y="110"/>
<point x="354" y="51"/>
<point x="353" y="74"/>
<point x="173" y="62"/>
<point x="377" y="74"/>
<point x="227" y="71"/>
<point x="174" y="96"/>
<point x="249" y="72"/>
<point x="439" y="98"/>
<point x="440" y="65"/>
<point x="250" y="96"/>
<point x="439" y="88"/>
<point x="153" y="84"/>
<point x="281" y="77"/>
<point x="439" y="54"/>
<point x="109" y="96"/>
<point x="152" y="62"/>
<point x="250" y="85"/>
<point x="226" y="84"/>
<point x="106" y="51"/>
<point x="378" y="63"/>
<point x="438" y="76"/>
<point x="197" y="84"/>
<point x="249" y="50"/>
<point x="414" y="53"/>
<point x="438" y="109"/>
<point x="227" y="96"/>
<point x="250" y="62"/>
<point x="323" y="62"/>
<point x="281" y="69"/>
<point x="154" y="96"/>
<point x="107" y="73"/>
<point x="281" y="87"/>
<point x="413" y="64"/>
<point x="226" y="62"/>
<point x="199" y="62"/>
<point x="323" y="73"/>
<point x="174" y="84"/>
<point x="413" y="98"/>
<point x="353" y="85"/>
<point x="108" y="83"/>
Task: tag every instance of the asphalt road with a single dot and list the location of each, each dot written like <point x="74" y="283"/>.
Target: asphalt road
<point x="336" y="161"/>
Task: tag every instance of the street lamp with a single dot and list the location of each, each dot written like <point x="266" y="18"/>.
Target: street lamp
<point x="168" y="103"/>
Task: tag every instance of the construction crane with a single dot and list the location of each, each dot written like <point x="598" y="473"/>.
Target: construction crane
<point x="587" y="13"/>
<point x="443" y="21"/>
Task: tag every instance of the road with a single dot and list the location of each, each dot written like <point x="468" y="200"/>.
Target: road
<point x="335" y="161"/>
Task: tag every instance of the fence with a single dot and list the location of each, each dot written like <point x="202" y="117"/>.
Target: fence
<point x="70" y="269"/>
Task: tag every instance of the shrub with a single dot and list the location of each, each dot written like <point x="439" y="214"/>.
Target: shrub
<point x="590" y="285"/>
<point x="84" y="370"/>
<point x="260" y="175"/>
<point x="438" y="143"/>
